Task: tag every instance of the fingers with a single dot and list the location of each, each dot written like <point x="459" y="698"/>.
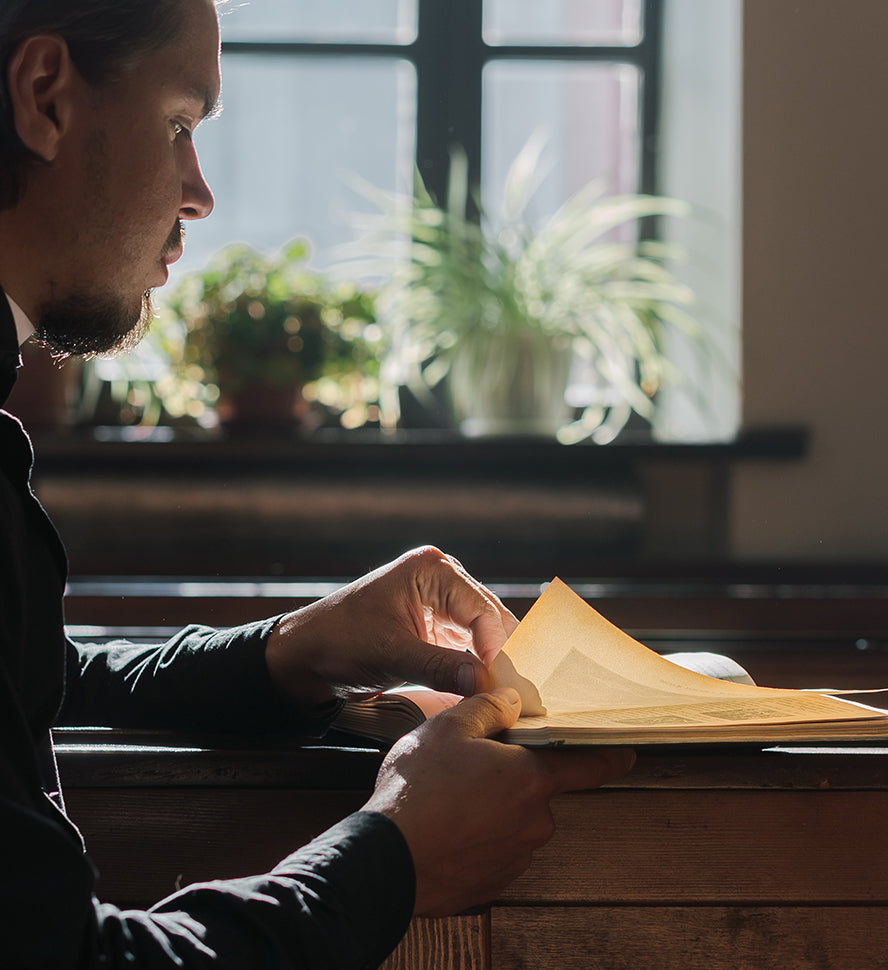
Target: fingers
<point x="486" y="715"/>
<point x="450" y="609"/>
<point x="472" y="810"/>
<point x="451" y="671"/>
<point x="483" y="715"/>
<point x="490" y="630"/>
<point x="452" y="593"/>
<point x="588" y="768"/>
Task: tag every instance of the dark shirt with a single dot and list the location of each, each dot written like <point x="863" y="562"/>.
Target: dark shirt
<point x="342" y="901"/>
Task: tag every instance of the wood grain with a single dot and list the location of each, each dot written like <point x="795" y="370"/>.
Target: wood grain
<point x="612" y="846"/>
<point x="693" y="938"/>
<point x="454" y="943"/>
<point x="712" y="846"/>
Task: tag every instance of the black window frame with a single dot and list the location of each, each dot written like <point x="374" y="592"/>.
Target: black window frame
<point x="449" y="55"/>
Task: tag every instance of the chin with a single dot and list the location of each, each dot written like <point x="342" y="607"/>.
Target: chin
<point x="89" y="327"/>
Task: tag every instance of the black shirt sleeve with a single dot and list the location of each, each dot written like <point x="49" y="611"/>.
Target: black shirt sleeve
<point x="199" y="679"/>
<point x="342" y="901"/>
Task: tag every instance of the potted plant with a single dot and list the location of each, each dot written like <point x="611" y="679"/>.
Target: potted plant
<point x="253" y="335"/>
<point x="506" y="311"/>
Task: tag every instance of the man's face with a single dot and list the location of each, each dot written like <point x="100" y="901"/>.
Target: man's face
<point x="123" y="188"/>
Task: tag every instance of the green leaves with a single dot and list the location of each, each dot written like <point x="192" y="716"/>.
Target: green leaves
<point x="582" y="277"/>
<point x="251" y="319"/>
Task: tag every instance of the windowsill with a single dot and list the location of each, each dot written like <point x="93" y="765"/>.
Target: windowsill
<point x="339" y="504"/>
<point x="397" y="451"/>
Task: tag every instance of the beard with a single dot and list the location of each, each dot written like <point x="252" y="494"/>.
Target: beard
<point x="89" y="325"/>
<point x="83" y="325"/>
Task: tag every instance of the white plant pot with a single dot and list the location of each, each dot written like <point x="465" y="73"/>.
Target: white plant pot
<point x="511" y="384"/>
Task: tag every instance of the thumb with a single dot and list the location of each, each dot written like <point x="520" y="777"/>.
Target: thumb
<point x="441" y="668"/>
<point x="483" y="715"/>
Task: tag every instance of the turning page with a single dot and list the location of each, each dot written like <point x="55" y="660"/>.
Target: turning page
<point x="576" y="671"/>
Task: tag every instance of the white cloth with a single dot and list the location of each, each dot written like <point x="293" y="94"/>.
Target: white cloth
<point x="23" y="326"/>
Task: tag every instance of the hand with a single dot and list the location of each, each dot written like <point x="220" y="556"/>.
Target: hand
<point x="473" y="810"/>
<point x="389" y="628"/>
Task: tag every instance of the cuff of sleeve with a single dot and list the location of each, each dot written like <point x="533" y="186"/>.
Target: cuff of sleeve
<point x="366" y="867"/>
<point x="281" y="713"/>
<point x="262" y="705"/>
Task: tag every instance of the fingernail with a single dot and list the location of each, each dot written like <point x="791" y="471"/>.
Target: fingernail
<point x="465" y="680"/>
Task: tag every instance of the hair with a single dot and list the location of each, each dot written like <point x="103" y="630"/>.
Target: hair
<point x="105" y="38"/>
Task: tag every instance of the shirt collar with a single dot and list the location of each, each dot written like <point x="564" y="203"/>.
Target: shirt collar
<point x="23" y="326"/>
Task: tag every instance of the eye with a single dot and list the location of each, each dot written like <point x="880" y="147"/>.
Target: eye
<point x="181" y="131"/>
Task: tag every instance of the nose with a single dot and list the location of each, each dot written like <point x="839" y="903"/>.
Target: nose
<point x="197" y="197"/>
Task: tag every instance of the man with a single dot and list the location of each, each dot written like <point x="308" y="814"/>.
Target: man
<point x="97" y="174"/>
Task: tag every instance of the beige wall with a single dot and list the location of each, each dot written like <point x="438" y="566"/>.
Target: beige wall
<point x="815" y="291"/>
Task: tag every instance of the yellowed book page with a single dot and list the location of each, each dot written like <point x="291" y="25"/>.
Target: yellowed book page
<point x="749" y="710"/>
<point x="568" y="660"/>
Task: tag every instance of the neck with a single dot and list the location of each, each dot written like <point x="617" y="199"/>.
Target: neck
<point x="21" y="249"/>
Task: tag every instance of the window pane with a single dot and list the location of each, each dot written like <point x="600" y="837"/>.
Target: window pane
<point x="292" y="133"/>
<point x="589" y="113"/>
<point x="356" y="21"/>
<point x="581" y="22"/>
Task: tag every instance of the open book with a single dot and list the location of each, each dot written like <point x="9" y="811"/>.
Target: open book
<point x="584" y="681"/>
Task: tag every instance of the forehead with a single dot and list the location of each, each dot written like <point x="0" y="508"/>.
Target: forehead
<point x="189" y="65"/>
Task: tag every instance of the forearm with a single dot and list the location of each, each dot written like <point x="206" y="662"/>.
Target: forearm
<point x="342" y="901"/>
<point x="201" y="678"/>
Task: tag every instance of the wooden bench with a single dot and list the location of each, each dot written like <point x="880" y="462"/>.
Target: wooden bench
<point x="740" y="859"/>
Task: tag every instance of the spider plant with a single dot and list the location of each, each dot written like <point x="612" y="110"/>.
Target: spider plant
<point x="505" y="310"/>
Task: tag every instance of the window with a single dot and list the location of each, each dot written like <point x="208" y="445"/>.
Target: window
<point x="642" y="94"/>
<point x="316" y="95"/>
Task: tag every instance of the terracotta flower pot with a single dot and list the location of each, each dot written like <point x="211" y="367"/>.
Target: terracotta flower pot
<point x="257" y="407"/>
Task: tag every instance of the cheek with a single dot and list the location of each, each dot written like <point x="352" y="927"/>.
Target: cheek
<point x="149" y="166"/>
<point x="153" y="205"/>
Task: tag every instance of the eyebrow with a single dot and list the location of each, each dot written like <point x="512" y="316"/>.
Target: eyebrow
<point x="212" y="104"/>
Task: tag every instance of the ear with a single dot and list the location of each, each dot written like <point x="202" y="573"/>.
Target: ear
<point x="40" y="78"/>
